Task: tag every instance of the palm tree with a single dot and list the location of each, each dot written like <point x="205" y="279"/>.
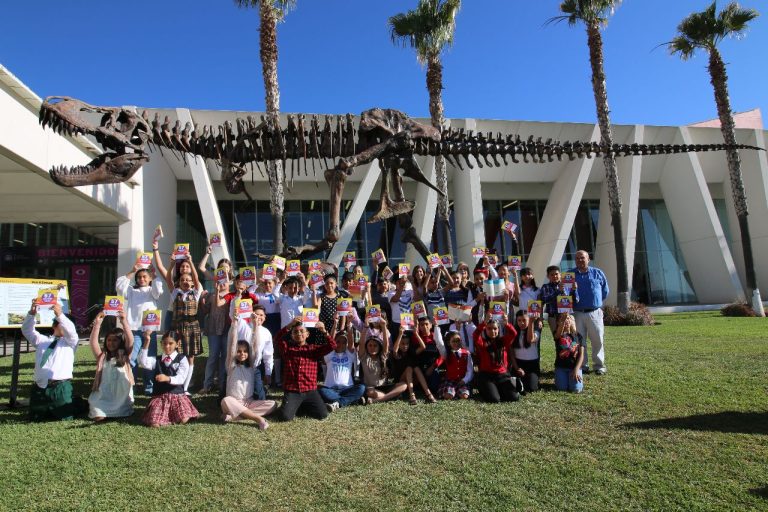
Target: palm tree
<point x="429" y="29"/>
<point x="704" y="30"/>
<point x="594" y="14"/>
<point x="270" y="12"/>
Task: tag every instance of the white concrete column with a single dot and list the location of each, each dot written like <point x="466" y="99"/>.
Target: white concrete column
<point x="557" y="221"/>
<point x="754" y="170"/>
<point x="697" y="228"/>
<point x="371" y="176"/>
<point x="206" y="196"/>
<point x="468" y="208"/>
<point x="423" y="213"/>
<point x="629" y="170"/>
<point x="131" y="233"/>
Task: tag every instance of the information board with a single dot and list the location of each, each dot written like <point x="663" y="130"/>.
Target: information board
<point x="16" y="296"/>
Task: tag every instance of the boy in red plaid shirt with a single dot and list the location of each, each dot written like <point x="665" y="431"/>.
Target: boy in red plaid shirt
<point x="300" y="370"/>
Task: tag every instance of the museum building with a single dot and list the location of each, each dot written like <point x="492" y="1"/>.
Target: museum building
<point x="682" y="235"/>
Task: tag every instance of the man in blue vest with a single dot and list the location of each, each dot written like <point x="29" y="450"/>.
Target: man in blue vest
<point x="593" y="290"/>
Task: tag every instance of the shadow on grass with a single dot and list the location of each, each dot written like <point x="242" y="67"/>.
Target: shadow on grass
<point x="731" y="422"/>
<point x="760" y="492"/>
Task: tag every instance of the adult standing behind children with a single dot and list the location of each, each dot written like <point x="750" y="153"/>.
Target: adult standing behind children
<point x="593" y="290"/>
<point x="51" y="396"/>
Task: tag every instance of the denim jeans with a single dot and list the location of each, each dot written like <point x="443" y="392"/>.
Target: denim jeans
<point x="147" y="375"/>
<point x="217" y="359"/>
<point x="344" y="395"/>
<point x="564" y="381"/>
<point x="259" y="391"/>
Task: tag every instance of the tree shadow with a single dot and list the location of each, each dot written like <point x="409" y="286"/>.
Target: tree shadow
<point x="760" y="492"/>
<point x="730" y="422"/>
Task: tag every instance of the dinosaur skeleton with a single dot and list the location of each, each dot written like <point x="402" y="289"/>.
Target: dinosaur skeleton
<point x="384" y="134"/>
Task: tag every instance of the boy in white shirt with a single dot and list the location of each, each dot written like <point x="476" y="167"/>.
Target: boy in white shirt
<point x="51" y="394"/>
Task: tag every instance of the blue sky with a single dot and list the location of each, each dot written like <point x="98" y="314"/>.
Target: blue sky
<point x="336" y="57"/>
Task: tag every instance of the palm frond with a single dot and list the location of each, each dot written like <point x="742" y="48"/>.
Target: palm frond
<point x="681" y="45"/>
<point x="707" y="28"/>
<point x="428" y="28"/>
<point x="587" y="11"/>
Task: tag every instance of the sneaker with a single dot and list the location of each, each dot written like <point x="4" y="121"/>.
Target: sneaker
<point x="600" y="371"/>
<point x="585" y="370"/>
<point x="187" y="393"/>
<point x="332" y="407"/>
<point x="363" y="400"/>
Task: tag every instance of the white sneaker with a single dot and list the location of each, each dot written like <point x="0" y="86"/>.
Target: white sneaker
<point x="600" y="371"/>
<point x="332" y="407"/>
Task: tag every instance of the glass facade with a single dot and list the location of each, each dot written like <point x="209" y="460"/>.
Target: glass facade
<point x="660" y="274"/>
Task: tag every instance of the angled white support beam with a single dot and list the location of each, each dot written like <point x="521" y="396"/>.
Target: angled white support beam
<point x="697" y="228"/>
<point x="424" y="213"/>
<point x="468" y="208"/>
<point x="559" y="214"/>
<point x="371" y="175"/>
<point x="754" y="170"/>
<point x="629" y="170"/>
<point x="206" y="196"/>
<point x="131" y="233"/>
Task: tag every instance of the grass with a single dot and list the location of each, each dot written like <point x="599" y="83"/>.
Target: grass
<point x="679" y="423"/>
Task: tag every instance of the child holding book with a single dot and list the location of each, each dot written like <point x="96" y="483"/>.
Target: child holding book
<point x="459" y="370"/>
<point x="169" y="405"/>
<point x="569" y="354"/>
<point x="112" y="390"/>
<point x="526" y="349"/>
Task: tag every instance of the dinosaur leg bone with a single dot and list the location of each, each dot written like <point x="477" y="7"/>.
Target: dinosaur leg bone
<point x="387" y="207"/>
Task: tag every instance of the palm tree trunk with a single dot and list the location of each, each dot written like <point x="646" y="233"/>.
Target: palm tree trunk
<point x="595" y="42"/>
<point x="436" y="111"/>
<point x="268" y="54"/>
<point x="719" y="80"/>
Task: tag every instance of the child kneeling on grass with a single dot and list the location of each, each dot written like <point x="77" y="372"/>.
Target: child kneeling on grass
<point x="243" y="359"/>
<point x="569" y="354"/>
<point x="169" y="404"/>
<point x="458" y="369"/>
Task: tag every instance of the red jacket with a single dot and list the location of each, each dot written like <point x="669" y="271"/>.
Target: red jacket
<point x="483" y="347"/>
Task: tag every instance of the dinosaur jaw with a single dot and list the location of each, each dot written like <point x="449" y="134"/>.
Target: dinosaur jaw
<point x="120" y="132"/>
<point x="106" y="168"/>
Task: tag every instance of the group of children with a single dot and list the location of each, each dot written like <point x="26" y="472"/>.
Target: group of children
<point x="357" y="358"/>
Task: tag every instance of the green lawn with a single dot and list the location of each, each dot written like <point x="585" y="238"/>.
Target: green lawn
<point x="679" y="423"/>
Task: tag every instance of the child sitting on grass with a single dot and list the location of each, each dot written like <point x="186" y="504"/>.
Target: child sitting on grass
<point x="408" y="348"/>
<point x="243" y="359"/>
<point x="112" y="392"/>
<point x="373" y="356"/>
<point x="339" y="388"/>
<point x="458" y="369"/>
<point x="169" y="404"/>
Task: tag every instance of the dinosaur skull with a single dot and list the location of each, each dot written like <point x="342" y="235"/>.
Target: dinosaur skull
<point x="120" y="132"/>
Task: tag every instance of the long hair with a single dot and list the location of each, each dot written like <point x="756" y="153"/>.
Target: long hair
<point x="494" y="346"/>
<point x="527" y="270"/>
<point x="379" y="355"/>
<point x="120" y="355"/>
<point x="244" y="343"/>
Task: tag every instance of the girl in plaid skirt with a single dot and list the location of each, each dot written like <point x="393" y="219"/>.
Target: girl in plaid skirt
<point x="185" y="323"/>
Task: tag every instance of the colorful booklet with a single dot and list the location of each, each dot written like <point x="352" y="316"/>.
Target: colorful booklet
<point x="372" y="314"/>
<point x="293" y="268"/>
<point x="569" y="280"/>
<point x="113" y="304"/>
<point x="403" y="270"/>
<point x="244" y="309"/>
<point x="278" y="262"/>
<point x="150" y="320"/>
<point x="315" y="266"/>
<point x="158" y="234"/>
<point x="214" y="240"/>
<point x="515" y="262"/>
<point x="493" y="260"/>
<point x="316" y="280"/>
<point x="387" y="274"/>
<point x="407" y="321"/>
<point x="459" y="312"/>
<point x="343" y="306"/>
<point x="310" y="317"/>
<point x="434" y="261"/>
<point x="269" y="272"/>
<point x="447" y="260"/>
<point x="349" y="260"/>
<point x="498" y="310"/>
<point x="144" y="259"/>
<point x="248" y="275"/>
<point x="378" y="257"/>
<point x="478" y="252"/>
<point x="180" y="251"/>
<point x="46" y="298"/>
<point x="418" y="309"/>
<point x="535" y="308"/>
<point x="441" y="315"/>
<point x="357" y="287"/>
<point x="509" y="227"/>
<point x="564" y="304"/>
<point x="221" y="275"/>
